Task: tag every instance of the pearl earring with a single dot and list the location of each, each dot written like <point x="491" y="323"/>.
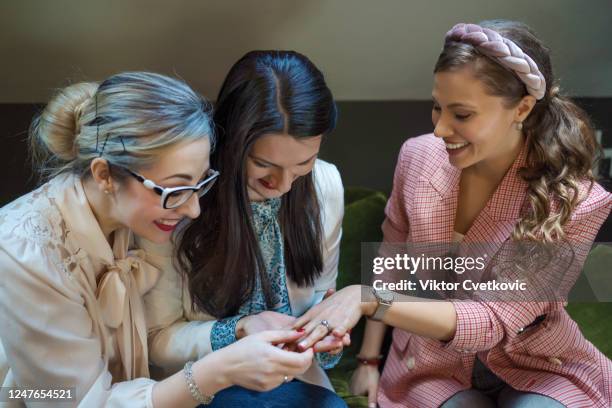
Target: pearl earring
<point x="519" y="126"/>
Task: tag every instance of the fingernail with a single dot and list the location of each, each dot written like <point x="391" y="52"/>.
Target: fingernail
<point x="302" y="330"/>
<point x="302" y="345"/>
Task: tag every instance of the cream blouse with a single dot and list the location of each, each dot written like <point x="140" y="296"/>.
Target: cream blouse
<point x="71" y="306"/>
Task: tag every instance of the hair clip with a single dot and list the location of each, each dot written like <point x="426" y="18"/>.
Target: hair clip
<point x="98" y="119"/>
<point x="103" y="145"/>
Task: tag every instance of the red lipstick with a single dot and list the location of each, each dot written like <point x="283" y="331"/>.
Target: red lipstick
<point x="265" y="184"/>
<point x="164" y="227"/>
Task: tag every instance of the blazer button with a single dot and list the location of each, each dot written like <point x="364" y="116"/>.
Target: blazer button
<point x="410" y="363"/>
<point x="519" y="331"/>
<point x="555" y="361"/>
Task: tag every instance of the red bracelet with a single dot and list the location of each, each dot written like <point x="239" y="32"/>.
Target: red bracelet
<point x="372" y="361"/>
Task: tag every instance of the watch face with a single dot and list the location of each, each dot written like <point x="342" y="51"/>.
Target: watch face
<point x="386" y="295"/>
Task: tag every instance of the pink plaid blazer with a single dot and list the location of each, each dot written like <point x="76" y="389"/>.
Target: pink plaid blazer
<point x="552" y="358"/>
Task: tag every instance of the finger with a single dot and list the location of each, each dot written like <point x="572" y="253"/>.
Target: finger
<point x="312" y="317"/>
<point x="348" y="333"/>
<point x="279" y="336"/>
<point x="327" y="344"/>
<point x="308" y="354"/>
<point x="312" y="325"/>
<point x="346" y="340"/>
<point x="372" y="390"/>
<point x="340" y="330"/>
<point x="286" y="319"/>
<point x="305" y="318"/>
<point x="317" y="334"/>
<point x="304" y="360"/>
<point x="329" y="292"/>
<point x="288" y="326"/>
<point x="317" y="325"/>
<point x="345" y="324"/>
<point x="289" y="362"/>
<point x="308" y="330"/>
<point x="322" y="346"/>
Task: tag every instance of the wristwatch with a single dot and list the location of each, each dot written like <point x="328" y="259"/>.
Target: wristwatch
<point x="385" y="300"/>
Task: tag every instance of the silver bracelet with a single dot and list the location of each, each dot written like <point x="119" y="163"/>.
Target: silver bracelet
<point x="193" y="387"/>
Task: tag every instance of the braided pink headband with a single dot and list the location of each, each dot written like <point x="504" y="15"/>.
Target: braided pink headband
<point x="504" y="51"/>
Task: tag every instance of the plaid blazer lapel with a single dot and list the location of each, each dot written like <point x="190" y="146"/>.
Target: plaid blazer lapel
<point x="435" y="205"/>
<point x="503" y="210"/>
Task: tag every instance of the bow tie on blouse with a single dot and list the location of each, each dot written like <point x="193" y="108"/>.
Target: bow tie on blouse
<point x="120" y="291"/>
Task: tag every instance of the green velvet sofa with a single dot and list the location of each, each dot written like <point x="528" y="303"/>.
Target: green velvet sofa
<point x="364" y="214"/>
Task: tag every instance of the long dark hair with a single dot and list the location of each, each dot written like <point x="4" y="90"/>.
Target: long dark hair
<point x="279" y="92"/>
<point x="561" y="146"/>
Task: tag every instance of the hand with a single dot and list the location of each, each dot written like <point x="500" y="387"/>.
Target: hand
<point x="364" y="381"/>
<point x="263" y="321"/>
<point x="256" y="362"/>
<point x="342" y="310"/>
<point x="332" y="344"/>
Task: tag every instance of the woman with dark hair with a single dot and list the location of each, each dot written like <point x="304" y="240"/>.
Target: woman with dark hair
<point x="508" y="164"/>
<point x="265" y="247"/>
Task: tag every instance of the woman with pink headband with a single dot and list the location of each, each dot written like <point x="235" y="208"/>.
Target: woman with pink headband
<point x="509" y="162"/>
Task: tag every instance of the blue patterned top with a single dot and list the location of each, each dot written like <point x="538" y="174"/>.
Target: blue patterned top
<point x="267" y="228"/>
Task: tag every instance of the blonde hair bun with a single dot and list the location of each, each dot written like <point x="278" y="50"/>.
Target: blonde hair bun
<point x="59" y="124"/>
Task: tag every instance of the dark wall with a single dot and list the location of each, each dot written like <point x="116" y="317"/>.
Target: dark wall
<point x="15" y="170"/>
<point x="368" y="138"/>
<point x="364" y="146"/>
